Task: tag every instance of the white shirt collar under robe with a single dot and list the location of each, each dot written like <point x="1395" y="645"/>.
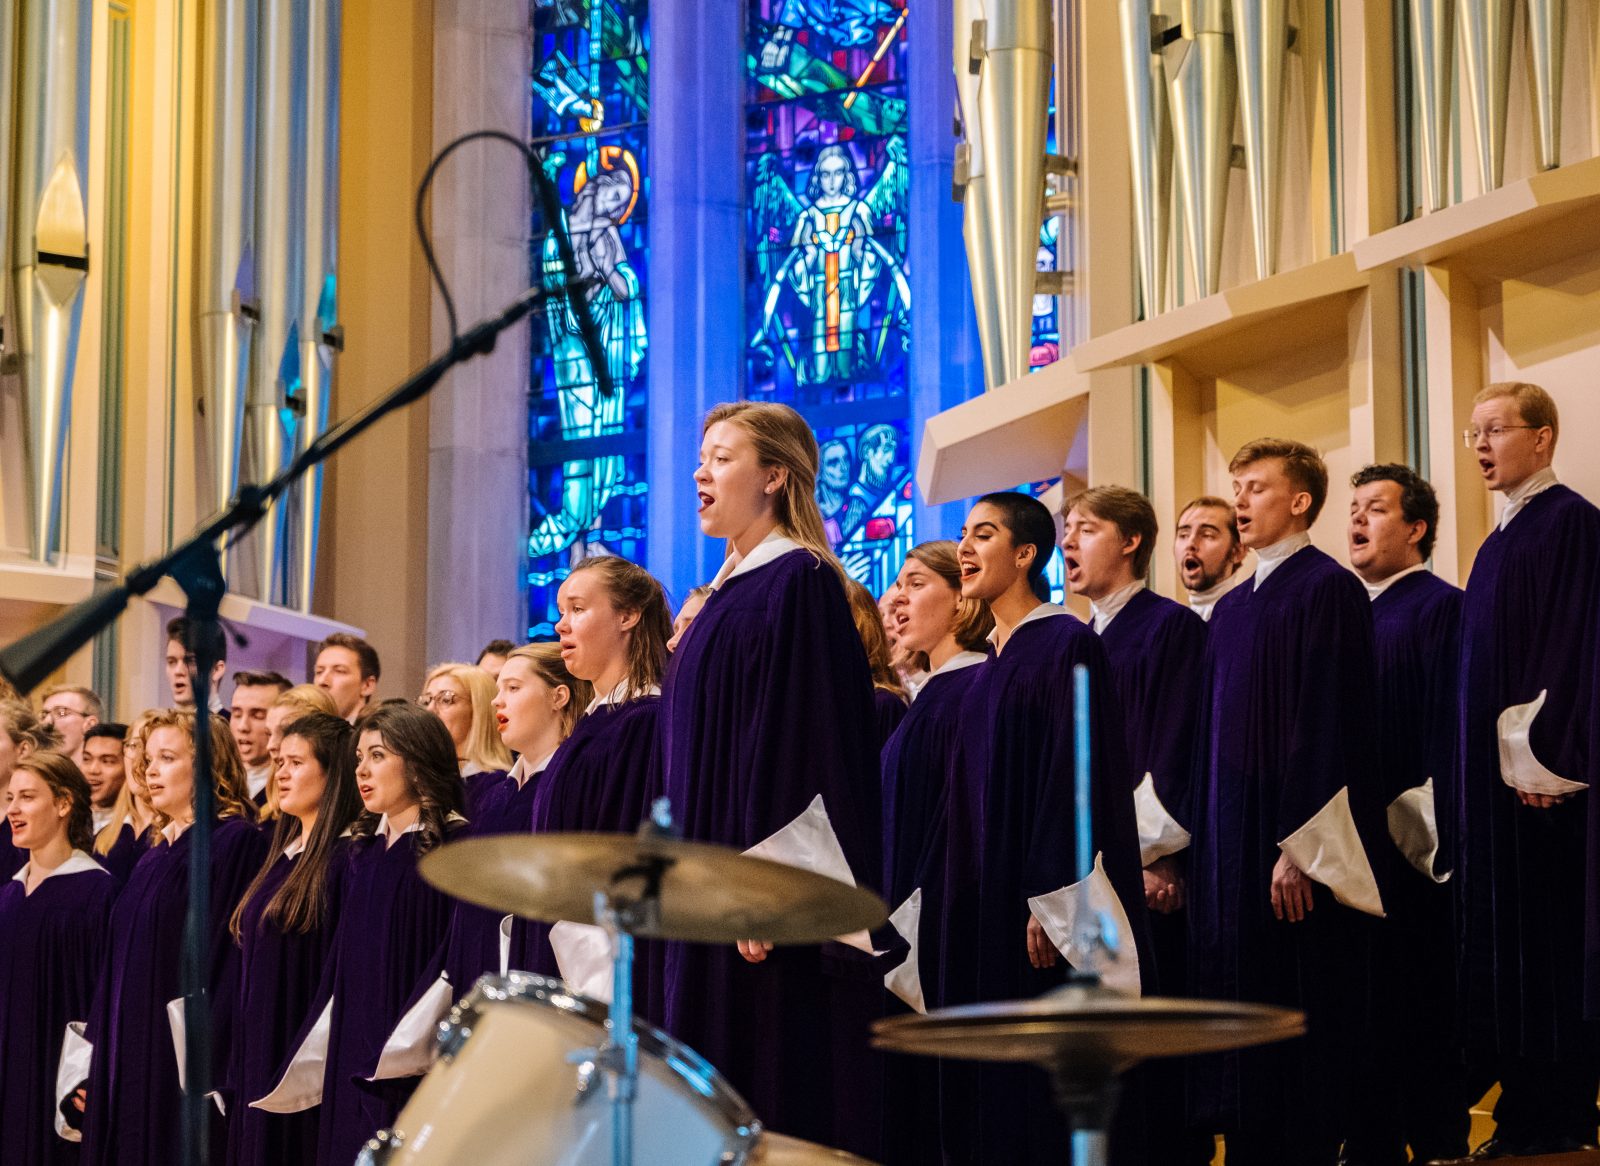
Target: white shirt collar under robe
<point x="1269" y="559"/>
<point x="1202" y="602"/>
<point x="1043" y="611"/>
<point x="77" y="862"/>
<point x="1376" y="589"/>
<point x="524" y="769"/>
<point x="255" y="778"/>
<point x="617" y="696"/>
<point x="1516" y="499"/>
<point x="1103" y="611"/>
<point x="773" y="546"/>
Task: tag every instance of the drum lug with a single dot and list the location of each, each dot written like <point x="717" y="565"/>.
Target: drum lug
<point x="380" y="1148"/>
<point x="588" y="1064"/>
<point x="455" y="1031"/>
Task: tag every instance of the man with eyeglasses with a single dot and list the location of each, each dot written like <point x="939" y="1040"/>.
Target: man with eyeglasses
<point x="72" y="709"/>
<point x="1518" y="817"/>
<point x="253" y="694"/>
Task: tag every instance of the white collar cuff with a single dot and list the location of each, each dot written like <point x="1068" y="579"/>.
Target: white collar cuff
<point x="773" y="546"/>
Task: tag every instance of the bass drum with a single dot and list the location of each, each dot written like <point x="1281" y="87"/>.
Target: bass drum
<point x="513" y="1087"/>
<point x="777" y="1150"/>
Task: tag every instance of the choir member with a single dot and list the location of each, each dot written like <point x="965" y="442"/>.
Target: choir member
<point x="53" y="916"/>
<point x="1208" y="553"/>
<point x="536" y="707"/>
<point x="692" y="603"/>
<point x="1012" y="820"/>
<point x="253" y="696"/>
<point x="462" y="696"/>
<point x="284" y="927"/>
<point x="1414" y="1090"/>
<point x="21" y="733"/>
<point x="1287" y="820"/>
<point x="182" y="662"/>
<point x="889" y="696"/>
<point x="290" y="706"/>
<point x="1524" y="824"/>
<point x="72" y="710"/>
<point x="347" y="669"/>
<point x="767" y="706"/>
<point x="391" y="922"/>
<point x="614" y="628"/>
<point x="104" y="768"/>
<point x="122" y="841"/>
<point x="133" y="1092"/>
<point x="1156" y="649"/>
<point x="493" y="657"/>
<point x="945" y="636"/>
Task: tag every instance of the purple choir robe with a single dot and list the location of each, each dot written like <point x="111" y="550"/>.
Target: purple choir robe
<point x="889" y="709"/>
<point x="1156" y="649"/>
<point x="53" y="948"/>
<point x="134" y="1103"/>
<point x="125" y="852"/>
<point x="767" y="703"/>
<point x="278" y="979"/>
<point x="1528" y="880"/>
<point x="600" y="781"/>
<point x="1011" y="830"/>
<point x="916" y="763"/>
<point x="485" y="783"/>
<point x="391" y="927"/>
<point x="502" y="806"/>
<point x="1286" y="726"/>
<point x="1415" y="1090"/>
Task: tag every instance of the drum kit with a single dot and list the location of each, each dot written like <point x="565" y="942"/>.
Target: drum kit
<point x="533" y="1074"/>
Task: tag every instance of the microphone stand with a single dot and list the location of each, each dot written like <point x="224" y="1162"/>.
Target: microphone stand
<point x="195" y="566"/>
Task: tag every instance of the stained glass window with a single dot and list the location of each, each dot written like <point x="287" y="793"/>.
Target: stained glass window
<point x="587" y="483"/>
<point x="827" y="300"/>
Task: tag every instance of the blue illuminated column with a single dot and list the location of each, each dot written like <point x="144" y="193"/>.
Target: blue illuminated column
<point x="696" y="355"/>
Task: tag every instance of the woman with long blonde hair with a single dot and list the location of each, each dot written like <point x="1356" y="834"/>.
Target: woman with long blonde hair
<point x="462" y="696"/>
<point x="133" y="1089"/>
<point x="21" y="733"/>
<point x="766" y="707"/>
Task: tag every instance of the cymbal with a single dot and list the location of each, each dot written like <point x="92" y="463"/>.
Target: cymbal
<point x="777" y="1150"/>
<point x="709" y="894"/>
<point x="1088" y="1026"/>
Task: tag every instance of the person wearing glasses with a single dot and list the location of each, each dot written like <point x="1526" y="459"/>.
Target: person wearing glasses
<point x="73" y="710"/>
<point x="1528" y="944"/>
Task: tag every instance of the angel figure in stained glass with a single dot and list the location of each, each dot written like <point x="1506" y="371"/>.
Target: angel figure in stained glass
<point x="833" y="263"/>
<point x="601" y="204"/>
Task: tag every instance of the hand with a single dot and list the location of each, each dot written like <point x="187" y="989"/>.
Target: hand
<point x="1164" y="886"/>
<point x="80" y="1098"/>
<point x="1041" y="952"/>
<point x="1541" y="801"/>
<point x="1291" y="891"/>
<point x="754" y="950"/>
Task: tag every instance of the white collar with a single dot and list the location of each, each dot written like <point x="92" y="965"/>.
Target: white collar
<point x="1269" y="559"/>
<point x="1103" y="611"/>
<point x="255" y="777"/>
<point x="76" y="863"/>
<point x="1043" y="611"/>
<point x="173" y="830"/>
<point x="768" y="549"/>
<point x="383" y="825"/>
<point x="956" y="663"/>
<point x="524" y="769"/>
<point x="469" y="768"/>
<point x="1376" y="589"/>
<point x="1516" y="499"/>
<point x="297" y="846"/>
<point x="1201" y="602"/>
<point x="101" y="817"/>
<point x="617" y="694"/>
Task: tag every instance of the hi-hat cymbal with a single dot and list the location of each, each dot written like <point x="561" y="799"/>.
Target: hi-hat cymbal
<point x="1088" y="1026"/>
<point x="709" y="894"/>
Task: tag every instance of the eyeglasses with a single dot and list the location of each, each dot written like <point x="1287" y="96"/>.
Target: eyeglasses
<point x="49" y="714"/>
<point x="1469" y="437"/>
<point x="444" y="700"/>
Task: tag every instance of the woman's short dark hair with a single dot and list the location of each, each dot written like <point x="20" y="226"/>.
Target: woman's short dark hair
<point x="1029" y="523"/>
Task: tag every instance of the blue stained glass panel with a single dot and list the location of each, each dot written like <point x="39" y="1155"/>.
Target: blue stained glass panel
<point x="864" y="491"/>
<point x="587" y="484"/>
